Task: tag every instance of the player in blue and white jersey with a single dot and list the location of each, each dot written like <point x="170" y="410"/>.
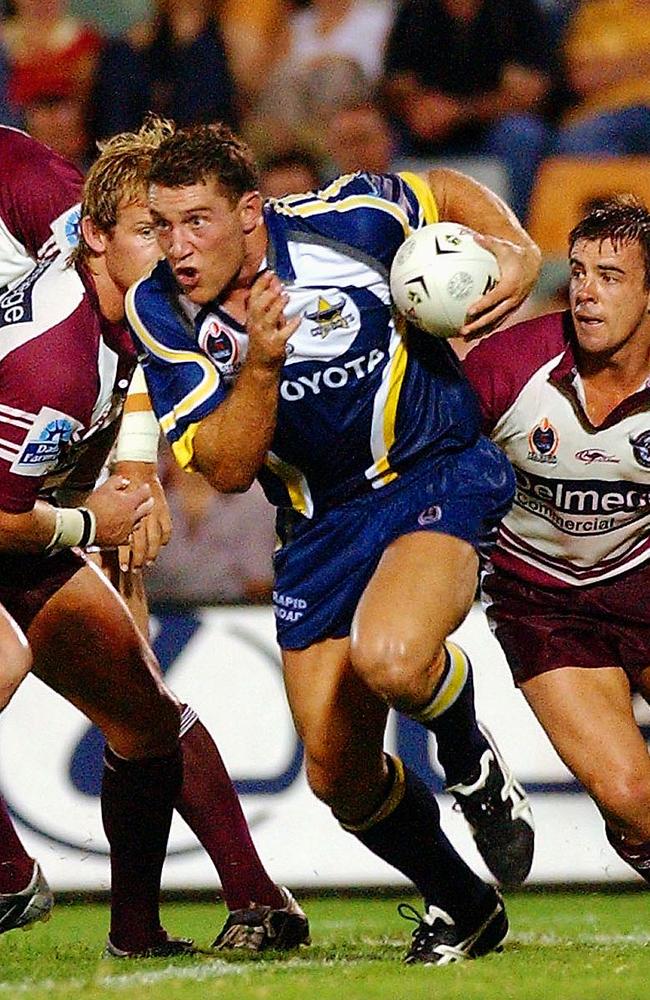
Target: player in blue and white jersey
<point x="271" y="349"/>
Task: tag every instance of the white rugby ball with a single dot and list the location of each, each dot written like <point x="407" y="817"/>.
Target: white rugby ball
<point x="438" y="273"/>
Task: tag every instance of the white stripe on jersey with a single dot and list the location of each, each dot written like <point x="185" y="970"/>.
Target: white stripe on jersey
<point x="296" y="485"/>
<point x="19" y="418"/>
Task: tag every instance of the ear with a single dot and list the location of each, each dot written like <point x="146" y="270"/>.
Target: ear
<point x="250" y="210"/>
<point x="95" y="238"/>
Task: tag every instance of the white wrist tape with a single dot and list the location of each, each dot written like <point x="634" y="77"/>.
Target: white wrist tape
<point x="137" y="440"/>
<point x="73" y="526"/>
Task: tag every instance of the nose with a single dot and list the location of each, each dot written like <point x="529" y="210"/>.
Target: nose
<point x="177" y="245"/>
<point x="586" y="288"/>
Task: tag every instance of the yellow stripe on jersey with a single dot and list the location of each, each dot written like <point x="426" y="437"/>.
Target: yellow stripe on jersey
<point x="384" y="418"/>
<point x="183" y="449"/>
<point x="423" y="193"/>
<point x="209" y="378"/>
<point x="354" y="201"/>
<point x="294" y="481"/>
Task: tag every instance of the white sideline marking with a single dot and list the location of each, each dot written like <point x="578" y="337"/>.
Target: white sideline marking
<point x="217" y="968"/>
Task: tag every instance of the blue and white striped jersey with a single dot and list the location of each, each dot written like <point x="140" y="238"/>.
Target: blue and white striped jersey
<point x="362" y="395"/>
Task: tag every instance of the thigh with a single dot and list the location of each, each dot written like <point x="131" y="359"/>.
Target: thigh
<point x="340" y="722"/>
<point x="587" y="714"/>
<point x="86" y="647"/>
<point x="421" y="591"/>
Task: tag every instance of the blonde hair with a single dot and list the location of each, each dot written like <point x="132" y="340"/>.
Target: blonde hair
<point x="120" y="174"/>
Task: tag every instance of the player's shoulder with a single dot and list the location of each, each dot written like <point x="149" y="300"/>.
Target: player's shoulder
<point x="50" y="295"/>
<point x="524" y="346"/>
<point x="370" y="213"/>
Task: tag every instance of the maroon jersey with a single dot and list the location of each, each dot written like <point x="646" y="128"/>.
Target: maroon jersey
<point x="39" y="192"/>
<point x="64" y="372"/>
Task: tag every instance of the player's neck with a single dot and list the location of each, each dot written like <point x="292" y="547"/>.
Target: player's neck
<point x="109" y="294"/>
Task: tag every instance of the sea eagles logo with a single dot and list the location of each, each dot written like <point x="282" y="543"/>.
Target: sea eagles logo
<point x="220" y="345"/>
<point x="542" y="443"/>
<point x="641" y="448"/>
<point x="328" y="317"/>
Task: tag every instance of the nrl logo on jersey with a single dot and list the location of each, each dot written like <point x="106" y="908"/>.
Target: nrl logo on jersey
<point x="222" y="346"/>
<point x="327" y="317"/>
<point x="543" y="440"/>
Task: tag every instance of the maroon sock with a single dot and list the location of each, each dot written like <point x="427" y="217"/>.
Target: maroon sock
<point x="137" y="807"/>
<point x="209" y="805"/>
<point x="16" y="866"/>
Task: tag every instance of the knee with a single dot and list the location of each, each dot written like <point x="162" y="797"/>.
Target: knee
<point x="626" y="796"/>
<point x="147" y="731"/>
<point x="401" y="669"/>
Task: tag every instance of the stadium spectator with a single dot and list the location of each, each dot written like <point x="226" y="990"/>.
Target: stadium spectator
<point x="333" y="56"/>
<point x="9" y="115"/>
<point x="470" y="77"/>
<point x="35" y="184"/>
<point x="359" y="137"/>
<point x="52" y="57"/>
<point x="567" y="397"/>
<point x="175" y="64"/>
<point x="290" y="171"/>
<point x="331" y="440"/>
<point x="607" y="57"/>
<point x="221" y="547"/>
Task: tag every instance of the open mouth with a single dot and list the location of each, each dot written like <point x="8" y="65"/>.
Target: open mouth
<point x="187" y="277"/>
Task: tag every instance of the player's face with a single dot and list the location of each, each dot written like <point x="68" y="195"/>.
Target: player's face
<point x="204" y="236"/>
<point x="131" y="246"/>
<point x="609" y="301"/>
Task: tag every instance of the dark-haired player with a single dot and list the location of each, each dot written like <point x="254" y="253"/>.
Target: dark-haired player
<point x="366" y="437"/>
<point x="567" y="396"/>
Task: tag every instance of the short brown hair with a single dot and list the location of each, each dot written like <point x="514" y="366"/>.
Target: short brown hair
<point x="621" y="218"/>
<point x="120" y="172"/>
<point x="201" y="152"/>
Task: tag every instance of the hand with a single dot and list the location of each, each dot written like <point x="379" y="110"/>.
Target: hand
<point x="118" y="509"/>
<point x="154" y="530"/>
<point x="268" y="330"/>
<point x="519" y="267"/>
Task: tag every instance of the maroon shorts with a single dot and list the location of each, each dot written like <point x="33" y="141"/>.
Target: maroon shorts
<point x="543" y="628"/>
<point x="28" y="581"/>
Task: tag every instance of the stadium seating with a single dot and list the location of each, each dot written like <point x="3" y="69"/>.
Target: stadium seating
<point x="565" y="186"/>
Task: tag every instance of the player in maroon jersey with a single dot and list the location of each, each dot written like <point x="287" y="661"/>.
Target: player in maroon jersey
<point x="567" y="396"/>
<point x="118" y="227"/>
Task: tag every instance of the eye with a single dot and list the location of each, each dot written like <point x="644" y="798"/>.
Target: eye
<point x="161" y="226"/>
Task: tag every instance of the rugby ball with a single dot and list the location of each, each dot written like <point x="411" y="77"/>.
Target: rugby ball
<point x="438" y="273"/>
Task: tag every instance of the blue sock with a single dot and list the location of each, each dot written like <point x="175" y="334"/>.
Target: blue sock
<point x="451" y="716"/>
<point x="405" y="831"/>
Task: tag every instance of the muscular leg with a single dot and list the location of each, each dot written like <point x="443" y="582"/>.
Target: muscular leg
<point x="15" y="657"/>
<point x="421" y="591"/>
<point x="587" y="714"/>
<point x="207" y="801"/>
<point x="341" y="723"/>
<point x="87" y="648"/>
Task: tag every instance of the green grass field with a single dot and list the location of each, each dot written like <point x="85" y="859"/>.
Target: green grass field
<point x="578" y="946"/>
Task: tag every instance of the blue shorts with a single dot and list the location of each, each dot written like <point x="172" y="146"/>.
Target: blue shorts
<point x="325" y="564"/>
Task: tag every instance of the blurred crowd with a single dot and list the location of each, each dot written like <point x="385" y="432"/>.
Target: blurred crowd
<point x="322" y="87"/>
